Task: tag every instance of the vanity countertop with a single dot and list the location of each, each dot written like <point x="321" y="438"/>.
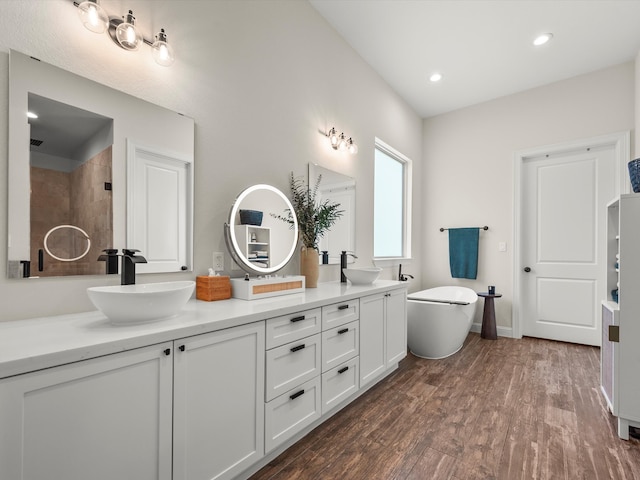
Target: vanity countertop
<point x="34" y="344"/>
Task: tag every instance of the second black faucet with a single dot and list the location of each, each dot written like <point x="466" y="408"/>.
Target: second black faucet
<point x="129" y="260"/>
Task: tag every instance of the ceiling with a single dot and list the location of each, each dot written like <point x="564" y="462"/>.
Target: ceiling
<point x="482" y="48"/>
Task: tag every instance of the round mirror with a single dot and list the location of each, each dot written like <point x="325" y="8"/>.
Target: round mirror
<point x="257" y="239"/>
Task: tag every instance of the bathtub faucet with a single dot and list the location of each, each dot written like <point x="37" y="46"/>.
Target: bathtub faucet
<point x="403" y="277"/>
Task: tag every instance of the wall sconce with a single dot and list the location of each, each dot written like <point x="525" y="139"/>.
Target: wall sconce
<point x="340" y="142"/>
<point x="123" y="31"/>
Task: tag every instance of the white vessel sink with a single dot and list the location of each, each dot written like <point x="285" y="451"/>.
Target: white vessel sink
<point x="124" y="304"/>
<point x="362" y="276"/>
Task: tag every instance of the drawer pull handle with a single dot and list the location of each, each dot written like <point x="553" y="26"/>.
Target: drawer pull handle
<point x="343" y="307"/>
<point x="182" y="348"/>
<point x="297" y="319"/>
<point x="167" y="352"/>
<point x="344" y="330"/>
<point x="296" y="395"/>
<point x="343" y="369"/>
<point x="297" y="347"/>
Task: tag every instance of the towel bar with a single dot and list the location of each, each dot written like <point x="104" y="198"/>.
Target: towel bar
<point x="482" y="228"/>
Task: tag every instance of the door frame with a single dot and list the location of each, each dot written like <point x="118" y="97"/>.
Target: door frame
<point x="620" y="141"/>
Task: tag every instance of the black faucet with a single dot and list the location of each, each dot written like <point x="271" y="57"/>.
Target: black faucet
<point x="129" y="260"/>
<point x="111" y="258"/>
<point x="343" y="264"/>
<point x="403" y="277"/>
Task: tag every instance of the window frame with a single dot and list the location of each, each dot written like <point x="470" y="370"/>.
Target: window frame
<point x="407" y="177"/>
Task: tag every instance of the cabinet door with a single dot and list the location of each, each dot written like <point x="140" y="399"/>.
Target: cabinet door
<point x="103" y="418"/>
<point x="372" y="337"/>
<point x="396" y="326"/>
<point x="218" y="403"/>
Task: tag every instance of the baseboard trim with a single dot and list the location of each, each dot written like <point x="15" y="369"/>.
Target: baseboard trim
<point x="502" y="331"/>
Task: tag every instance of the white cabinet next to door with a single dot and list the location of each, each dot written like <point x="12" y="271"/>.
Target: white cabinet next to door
<point x="383" y="333"/>
<point x="218" y="403"/>
<point x="104" y="418"/>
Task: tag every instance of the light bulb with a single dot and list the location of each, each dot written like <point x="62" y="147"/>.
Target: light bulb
<point x="93" y="17"/>
<point x="333" y="138"/>
<point x="162" y="51"/>
<point x="342" y="142"/>
<point x="542" y="39"/>
<point x="128" y="36"/>
<point x="352" y="147"/>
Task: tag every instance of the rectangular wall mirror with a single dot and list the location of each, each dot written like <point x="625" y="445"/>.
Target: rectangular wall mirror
<point x="338" y="188"/>
<point x="76" y="184"/>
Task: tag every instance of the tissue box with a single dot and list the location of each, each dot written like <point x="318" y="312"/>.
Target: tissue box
<point x="213" y="288"/>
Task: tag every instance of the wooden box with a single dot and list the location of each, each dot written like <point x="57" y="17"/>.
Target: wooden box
<point x="213" y="288"/>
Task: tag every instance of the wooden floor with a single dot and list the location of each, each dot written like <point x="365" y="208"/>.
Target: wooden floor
<point x="505" y="409"/>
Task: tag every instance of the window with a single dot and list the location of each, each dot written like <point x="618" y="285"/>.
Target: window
<point x="391" y="204"/>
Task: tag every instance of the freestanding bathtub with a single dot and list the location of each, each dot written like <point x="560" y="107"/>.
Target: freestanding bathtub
<point x="439" y="320"/>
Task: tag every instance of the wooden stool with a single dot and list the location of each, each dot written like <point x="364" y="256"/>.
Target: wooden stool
<point x="489" y="316"/>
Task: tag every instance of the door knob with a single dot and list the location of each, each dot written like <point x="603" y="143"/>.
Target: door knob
<point x="527" y="269"/>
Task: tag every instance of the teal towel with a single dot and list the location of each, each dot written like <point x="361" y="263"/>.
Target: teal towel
<point x="463" y="252"/>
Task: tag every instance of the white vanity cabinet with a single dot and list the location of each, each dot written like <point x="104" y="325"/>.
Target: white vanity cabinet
<point x="194" y="406"/>
<point x="383" y="333"/>
<point x="218" y="412"/>
<point x="620" y="353"/>
<point x="214" y="393"/>
<point x="104" y="418"/>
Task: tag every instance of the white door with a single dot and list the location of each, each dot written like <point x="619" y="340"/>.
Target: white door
<point x="563" y="248"/>
<point x="159" y="202"/>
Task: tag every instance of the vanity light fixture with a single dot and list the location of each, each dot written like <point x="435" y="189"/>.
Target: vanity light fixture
<point x="123" y="31"/>
<point x="340" y="142"/>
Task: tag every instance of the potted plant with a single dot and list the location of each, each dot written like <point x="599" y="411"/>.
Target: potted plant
<point x="315" y="218"/>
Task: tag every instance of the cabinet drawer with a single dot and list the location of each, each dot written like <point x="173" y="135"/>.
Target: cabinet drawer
<point x="339" y="345"/>
<point x="339" y="383"/>
<point x="340" y="313"/>
<point x="289" y="413"/>
<point x="291" y="364"/>
<point x="288" y="328"/>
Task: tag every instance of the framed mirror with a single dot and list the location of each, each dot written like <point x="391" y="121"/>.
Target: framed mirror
<point x="338" y="188"/>
<point x="257" y="241"/>
<point x="68" y="178"/>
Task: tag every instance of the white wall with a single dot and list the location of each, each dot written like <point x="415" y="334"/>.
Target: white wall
<point x="260" y="78"/>
<point x="468" y="166"/>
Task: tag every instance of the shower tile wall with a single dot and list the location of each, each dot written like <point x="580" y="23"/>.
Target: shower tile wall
<point x="77" y="198"/>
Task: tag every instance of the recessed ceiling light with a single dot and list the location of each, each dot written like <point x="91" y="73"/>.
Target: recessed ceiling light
<point x="542" y="39"/>
<point x="435" y="77"/>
